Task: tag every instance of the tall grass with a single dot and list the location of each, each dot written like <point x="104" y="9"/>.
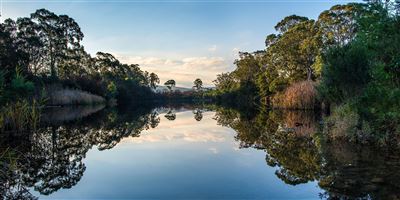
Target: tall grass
<point x="59" y="96"/>
<point x="20" y="116"/>
<point x="301" y="95"/>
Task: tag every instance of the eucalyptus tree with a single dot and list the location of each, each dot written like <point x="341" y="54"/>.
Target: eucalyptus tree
<point x="293" y="55"/>
<point x="154" y="80"/>
<point x="225" y="82"/>
<point x="288" y="22"/>
<point x="338" y="25"/>
<point x="58" y="34"/>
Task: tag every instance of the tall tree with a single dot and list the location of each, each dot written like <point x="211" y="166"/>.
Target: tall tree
<point x="154" y="80"/>
<point x="58" y="35"/>
<point x="293" y="55"/>
<point x="338" y="25"/>
<point x="288" y="22"/>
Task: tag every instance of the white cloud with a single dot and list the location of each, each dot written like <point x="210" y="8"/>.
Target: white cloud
<point x="235" y="52"/>
<point x="200" y="62"/>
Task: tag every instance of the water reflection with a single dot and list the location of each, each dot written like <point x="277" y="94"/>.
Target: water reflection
<point x="293" y="145"/>
<point x="52" y="158"/>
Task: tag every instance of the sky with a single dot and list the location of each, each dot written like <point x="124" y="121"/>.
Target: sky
<point x="177" y="39"/>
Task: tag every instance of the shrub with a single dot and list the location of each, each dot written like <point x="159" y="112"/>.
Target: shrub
<point x="342" y="124"/>
<point x="19" y="87"/>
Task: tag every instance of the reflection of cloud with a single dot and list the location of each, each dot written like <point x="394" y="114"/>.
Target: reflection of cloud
<point x="213" y="150"/>
<point x="189" y="137"/>
<point x="185" y="129"/>
<point x="183" y="70"/>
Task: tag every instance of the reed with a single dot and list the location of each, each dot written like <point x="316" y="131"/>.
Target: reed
<point x="301" y="95"/>
<point x="58" y="96"/>
<point x="20" y="116"/>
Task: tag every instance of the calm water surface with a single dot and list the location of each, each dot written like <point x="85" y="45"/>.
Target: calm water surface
<point x="188" y="152"/>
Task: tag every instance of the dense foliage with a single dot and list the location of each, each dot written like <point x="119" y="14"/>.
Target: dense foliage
<point x="348" y="56"/>
<point x="292" y="55"/>
<point x="364" y="75"/>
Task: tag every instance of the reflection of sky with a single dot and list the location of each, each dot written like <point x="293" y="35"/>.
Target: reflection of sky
<point x="182" y="159"/>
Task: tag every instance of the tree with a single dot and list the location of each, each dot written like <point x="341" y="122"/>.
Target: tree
<point x="338" y="25"/>
<point x="288" y="22"/>
<point x="154" y="80"/>
<point x="58" y="34"/>
<point x="8" y="53"/>
<point x="198" y="84"/>
<point x="293" y="55"/>
<point x="247" y="67"/>
<point x="170" y="84"/>
<point x="225" y="82"/>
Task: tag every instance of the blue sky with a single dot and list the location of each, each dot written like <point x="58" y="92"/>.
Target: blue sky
<point x="181" y="40"/>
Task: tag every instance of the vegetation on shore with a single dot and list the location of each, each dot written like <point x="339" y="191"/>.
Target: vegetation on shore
<point x="346" y="61"/>
<point x="42" y="58"/>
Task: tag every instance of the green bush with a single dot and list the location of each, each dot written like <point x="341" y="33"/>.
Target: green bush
<point x="345" y="72"/>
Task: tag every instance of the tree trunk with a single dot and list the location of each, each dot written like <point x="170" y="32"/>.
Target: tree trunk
<point x="309" y="74"/>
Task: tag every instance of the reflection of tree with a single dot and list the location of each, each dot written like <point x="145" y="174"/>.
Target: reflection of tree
<point x="11" y="185"/>
<point x="52" y="157"/>
<point x="297" y="158"/>
<point x="170" y="115"/>
<point x="198" y="114"/>
<point x="357" y="171"/>
<point x="154" y="119"/>
<point x="343" y="170"/>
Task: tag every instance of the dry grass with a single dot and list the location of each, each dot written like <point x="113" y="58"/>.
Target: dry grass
<point x="59" y="96"/>
<point x="301" y="95"/>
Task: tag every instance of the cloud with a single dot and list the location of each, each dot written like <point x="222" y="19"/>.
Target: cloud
<point x="182" y="70"/>
<point x="213" y="48"/>
<point x="201" y="62"/>
<point x="235" y="52"/>
<point x="151" y="61"/>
